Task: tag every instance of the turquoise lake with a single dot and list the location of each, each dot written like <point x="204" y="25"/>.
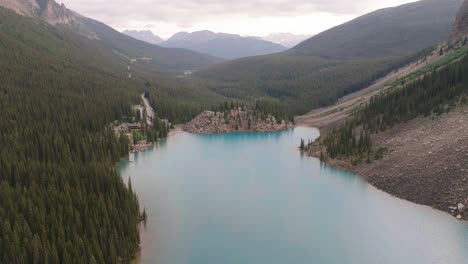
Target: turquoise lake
<point x="252" y="198"/>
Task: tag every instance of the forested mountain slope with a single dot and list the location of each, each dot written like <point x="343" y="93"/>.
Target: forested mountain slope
<point x="388" y="32"/>
<point x="412" y="133"/>
<point x="299" y="83"/>
<point x="434" y="93"/>
<point x="431" y="91"/>
<point x="112" y="43"/>
<point x="159" y="57"/>
<point x="410" y="139"/>
<point x="62" y="200"/>
<point x="159" y="68"/>
<point x="310" y="76"/>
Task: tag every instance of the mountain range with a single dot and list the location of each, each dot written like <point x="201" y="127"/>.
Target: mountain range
<point x="113" y="45"/>
<point x="144" y="35"/>
<point x="341" y="60"/>
<point x="227" y="46"/>
<point x="316" y="72"/>
<point x="66" y="80"/>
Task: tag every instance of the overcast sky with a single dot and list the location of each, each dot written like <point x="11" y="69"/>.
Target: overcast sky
<point x="254" y="17"/>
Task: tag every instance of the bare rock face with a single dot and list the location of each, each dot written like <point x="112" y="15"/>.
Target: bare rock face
<point x="210" y="122"/>
<point x="460" y="27"/>
<point x="22" y="7"/>
<point x="52" y="13"/>
<point x="47" y="10"/>
<point x="56" y="14"/>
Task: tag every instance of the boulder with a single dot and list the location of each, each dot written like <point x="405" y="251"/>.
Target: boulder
<point x="461" y="207"/>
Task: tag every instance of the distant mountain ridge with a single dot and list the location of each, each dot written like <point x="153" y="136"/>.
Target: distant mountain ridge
<point x="144" y="35"/>
<point x="198" y="37"/>
<point x="206" y="41"/>
<point x="286" y="39"/>
<point x="223" y="45"/>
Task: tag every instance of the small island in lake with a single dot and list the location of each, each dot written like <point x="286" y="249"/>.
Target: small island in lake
<point x="235" y="120"/>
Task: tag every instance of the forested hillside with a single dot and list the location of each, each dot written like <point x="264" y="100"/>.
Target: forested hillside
<point x="114" y="44"/>
<point x="299" y="83"/>
<point x="62" y="200"/>
<point x="435" y="93"/>
<point x="111" y="43"/>
<point x="388" y="32"/>
<point x="141" y="63"/>
<point x="338" y="61"/>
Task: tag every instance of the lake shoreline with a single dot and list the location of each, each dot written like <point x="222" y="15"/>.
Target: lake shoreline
<point x="388" y="176"/>
<point x="363" y="171"/>
<point x="322" y="182"/>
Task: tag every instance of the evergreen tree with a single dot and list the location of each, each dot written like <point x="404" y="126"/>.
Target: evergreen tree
<point x="433" y="94"/>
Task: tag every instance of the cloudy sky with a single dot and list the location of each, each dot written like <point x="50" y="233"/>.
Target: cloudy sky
<point x="244" y="17"/>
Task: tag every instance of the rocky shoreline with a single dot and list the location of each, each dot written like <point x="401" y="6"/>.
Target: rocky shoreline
<point x="236" y="120"/>
<point x="426" y="163"/>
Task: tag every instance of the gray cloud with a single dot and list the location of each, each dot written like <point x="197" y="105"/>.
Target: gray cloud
<point x="186" y="12"/>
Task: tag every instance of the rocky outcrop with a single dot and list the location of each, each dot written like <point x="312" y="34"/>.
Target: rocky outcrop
<point x="22" y="7"/>
<point x="47" y="10"/>
<point x="460" y="27"/>
<point x="56" y="14"/>
<point x="210" y="122"/>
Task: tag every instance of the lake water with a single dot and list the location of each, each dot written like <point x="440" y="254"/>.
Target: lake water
<point x="251" y="198"/>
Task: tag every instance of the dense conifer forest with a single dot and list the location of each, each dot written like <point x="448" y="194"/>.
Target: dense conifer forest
<point x="435" y="93"/>
<point x="180" y="104"/>
<point x="61" y="197"/>
<point x="299" y="83"/>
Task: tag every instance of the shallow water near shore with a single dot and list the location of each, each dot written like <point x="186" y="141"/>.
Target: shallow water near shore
<point x="252" y="198"/>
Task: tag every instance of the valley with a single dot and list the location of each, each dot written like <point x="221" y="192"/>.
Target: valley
<point x="339" y="61"/>
<point x="185" y="150"/>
